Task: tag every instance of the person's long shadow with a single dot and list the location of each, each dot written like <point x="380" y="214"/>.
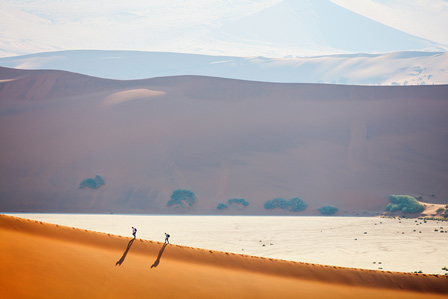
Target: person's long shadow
<point x="121" y="260"/>
<point x="156" y="263"/>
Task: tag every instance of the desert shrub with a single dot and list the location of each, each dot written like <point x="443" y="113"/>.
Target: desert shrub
<point x="440" y="210"/>
<point x="238" y="201"/>
<point x="95" y="183"/>
<point x="268" y="205"/>
<point x="392" y="207"/>
<point x="297" y="204"/>
<point x="328" y="210"/>
<point x="405" y="203"/>
<point x="222" y="206"/>
<point x="182" y="198"/>
<point x="434" y="219"/>
<point x="294" y="204"/>
<point x="280" y="203"/>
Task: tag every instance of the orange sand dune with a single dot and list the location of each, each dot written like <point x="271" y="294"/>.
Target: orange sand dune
<point x="42" y="260"/>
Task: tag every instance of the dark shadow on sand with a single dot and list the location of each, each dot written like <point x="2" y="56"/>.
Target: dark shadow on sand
<point x="156" y="263"/>
<point x="125" y="253"/>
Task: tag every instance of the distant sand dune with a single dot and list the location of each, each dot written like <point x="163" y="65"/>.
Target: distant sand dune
<point x="131" y="95"/>
<point x="346" y="146"/>
<point x="358" y="155"/>
<point x="42" y="260"/>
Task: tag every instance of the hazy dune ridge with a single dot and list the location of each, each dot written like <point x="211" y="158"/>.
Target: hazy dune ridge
<point x="397" y="68"/>
<point x="348" y="146"/>
<point x="41" y="260"/>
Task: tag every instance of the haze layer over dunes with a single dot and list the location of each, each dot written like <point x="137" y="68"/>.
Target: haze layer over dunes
<point x="271" y="28"/>
<point x="399" y="68"/>
<point x="348" y="146"/>
<point x="42" y="260"/>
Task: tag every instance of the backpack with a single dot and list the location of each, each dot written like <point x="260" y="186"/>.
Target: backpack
<point x="167" y="235"/>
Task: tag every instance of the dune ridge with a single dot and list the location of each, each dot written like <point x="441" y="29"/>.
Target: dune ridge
<point x="396" y="68"/>
<point x="52" y="259"/>
<point x="53" y="84"/>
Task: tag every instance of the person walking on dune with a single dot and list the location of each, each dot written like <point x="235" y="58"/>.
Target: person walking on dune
<point x="134" y="232"/>
<point x="167" y="236"/>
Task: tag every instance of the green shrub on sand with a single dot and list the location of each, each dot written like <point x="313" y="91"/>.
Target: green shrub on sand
<point x="95" y="183"/>
<point x="404" y="203"/>
<point x="181" y="199"/>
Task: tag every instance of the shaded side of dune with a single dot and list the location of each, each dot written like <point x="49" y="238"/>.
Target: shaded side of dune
<point x="346" y="146"/>
<point x="51" y="84"/>
<point x="134" y="258"/>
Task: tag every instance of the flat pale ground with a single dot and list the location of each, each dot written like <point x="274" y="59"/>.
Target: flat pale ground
<point x="404" y="245"/>
<point x="42" y="260"/>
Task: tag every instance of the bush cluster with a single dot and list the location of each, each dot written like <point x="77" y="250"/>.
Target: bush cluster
<point x="182" y="198"/>
<point x="222" y="206"/>
<point x="328" y="210"/>
<point x="294" y="204"/>
<point x="95" y="183"/>
<point x="297" y="204"/>
<point x="404" y="203"/>
<point x="239" y="201"/>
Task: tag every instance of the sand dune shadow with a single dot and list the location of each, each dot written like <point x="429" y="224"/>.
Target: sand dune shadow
<point x="156" y="263"/>
<point x="121" y="260"/>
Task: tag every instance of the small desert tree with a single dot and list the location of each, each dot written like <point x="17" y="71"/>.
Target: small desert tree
<point x="240" y="201"/>
<point x="280" y="203"/>
<point x="297" y="204"/>
<point x="95" y="183"/>
<point x="269" y="205"/>
<point x="182" y="199"/>
<point x="328" y="210"/>
<point x="294" y="204"/>
<point x="222" y="206"/>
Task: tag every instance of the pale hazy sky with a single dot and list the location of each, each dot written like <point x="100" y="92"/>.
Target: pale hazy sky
<point x="271" y="28"/>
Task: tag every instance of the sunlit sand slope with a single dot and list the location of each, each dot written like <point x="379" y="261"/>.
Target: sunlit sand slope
<point x="41" y="260"/>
